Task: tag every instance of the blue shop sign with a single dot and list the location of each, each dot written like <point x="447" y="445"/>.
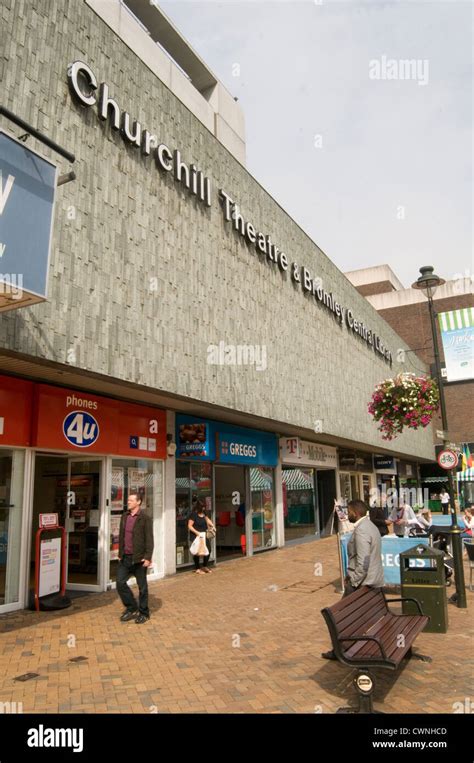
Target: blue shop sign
<point x="208" y="440"/>
<point x="384" y="462"/>
<point x="247" y="448"/>
<point x="391" y="549"/>
<point x="27" y="189"/>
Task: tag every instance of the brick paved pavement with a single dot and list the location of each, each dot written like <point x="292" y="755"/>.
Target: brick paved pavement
<point x="187" y="658"/>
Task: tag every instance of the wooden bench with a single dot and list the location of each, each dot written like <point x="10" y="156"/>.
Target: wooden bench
<point x="365" y="634"/>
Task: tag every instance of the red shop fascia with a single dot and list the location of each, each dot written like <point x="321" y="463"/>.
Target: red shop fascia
<point x="54" y="418"/>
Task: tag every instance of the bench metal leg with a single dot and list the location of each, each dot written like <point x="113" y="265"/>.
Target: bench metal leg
<point x="417" y="656"/>
<point x="365" y="685"/>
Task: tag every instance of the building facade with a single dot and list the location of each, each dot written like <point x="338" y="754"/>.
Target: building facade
<point x="195" y="343"/>
<point x="406" y="310"/>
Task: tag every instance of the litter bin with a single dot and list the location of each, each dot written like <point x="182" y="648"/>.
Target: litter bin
<point x="422" y="578"/>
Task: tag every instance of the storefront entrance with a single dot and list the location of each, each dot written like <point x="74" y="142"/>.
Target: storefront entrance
<point x="299" y="502"/>
<point x="230" y="502"/>
<point x="73" y="488"/>
<point x="356" y="487"/>
<point x="230" y="471"/>
<point x="11" y="518"/>
<point x="240" y="532"/>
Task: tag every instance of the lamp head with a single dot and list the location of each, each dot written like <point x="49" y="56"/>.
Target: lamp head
<point x="428" y="282"/>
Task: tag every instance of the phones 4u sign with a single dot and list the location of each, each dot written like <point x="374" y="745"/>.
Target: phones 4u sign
<point x="27" y="188"/>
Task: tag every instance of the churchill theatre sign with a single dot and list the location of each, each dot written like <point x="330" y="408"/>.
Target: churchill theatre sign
<point x="86" y="90"/>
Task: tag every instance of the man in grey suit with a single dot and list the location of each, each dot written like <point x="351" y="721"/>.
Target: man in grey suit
<point x="364" y="552"/>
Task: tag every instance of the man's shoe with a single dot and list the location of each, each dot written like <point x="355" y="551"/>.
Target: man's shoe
<point x="128" y="615"/>
<point x="329" y="655"/>
<point x="142" y="619"/>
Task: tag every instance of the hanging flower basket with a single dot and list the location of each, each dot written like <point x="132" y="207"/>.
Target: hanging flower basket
<point x="405" y="401"/>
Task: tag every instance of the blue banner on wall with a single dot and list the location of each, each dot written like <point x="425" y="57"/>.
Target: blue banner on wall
<point x="457" y="335"/>
<point x="208" y="440"/>
<point x="27" y="188"/>
<point x="391" y="550"/>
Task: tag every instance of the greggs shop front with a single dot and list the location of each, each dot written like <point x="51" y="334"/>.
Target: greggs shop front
<point x="77" y="455"/>
<point x="230" y="470"/>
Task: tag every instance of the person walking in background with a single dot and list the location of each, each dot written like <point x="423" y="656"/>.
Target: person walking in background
<point x="364" y="551"/>
<point x="445" y="500"/>
<point x="135" y="553"/>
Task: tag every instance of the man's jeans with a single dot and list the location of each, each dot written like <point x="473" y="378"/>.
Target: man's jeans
<point x="126" y="568"/>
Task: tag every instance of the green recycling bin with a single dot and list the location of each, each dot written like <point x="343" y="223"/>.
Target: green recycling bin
<point x="422" y="578"/>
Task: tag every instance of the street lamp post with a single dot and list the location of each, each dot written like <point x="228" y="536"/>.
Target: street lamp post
<point x="428" y="282"/>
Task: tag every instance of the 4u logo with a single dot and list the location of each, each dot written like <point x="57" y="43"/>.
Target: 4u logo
<point x="80" y="429"/>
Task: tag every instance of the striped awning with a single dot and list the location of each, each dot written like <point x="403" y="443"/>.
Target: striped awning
<point x="457" y="319"/>
<point x="467" y="475"/>
<point x="295" y="479"/>
<point x="184" y="483"/>
<point x="260" y="481"/>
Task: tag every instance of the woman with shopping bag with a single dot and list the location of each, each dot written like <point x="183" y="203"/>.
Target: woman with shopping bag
<point x="201" y="530"/>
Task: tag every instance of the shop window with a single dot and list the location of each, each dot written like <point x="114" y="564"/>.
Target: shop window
<point x="193" y="484"/>
<point x="355" y="487"/>
<point x="345" y="483"/>
<point x="12" y="466"/>
<point x="137" y="476"/>
<point x="299" y="502"/>
<point x="366" y="486"/>
<point x="263" y="507"/>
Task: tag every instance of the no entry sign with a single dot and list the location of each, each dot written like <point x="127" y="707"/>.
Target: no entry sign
<point x="448" y="459"/>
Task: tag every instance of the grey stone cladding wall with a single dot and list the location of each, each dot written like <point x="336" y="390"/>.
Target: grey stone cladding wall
<point x="134" y="223"/>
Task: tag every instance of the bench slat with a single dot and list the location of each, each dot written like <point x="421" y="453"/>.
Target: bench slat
<point x="368" y="609"/>
<point x="387" y="631"/>
<point x="360" y="624"/>
<point x="360" y="600"/>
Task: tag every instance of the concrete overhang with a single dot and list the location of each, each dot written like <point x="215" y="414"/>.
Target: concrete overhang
<point x="163" y="31"/>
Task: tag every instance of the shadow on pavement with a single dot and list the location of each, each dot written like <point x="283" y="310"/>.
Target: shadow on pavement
<point x="337" y="679"/>
<point x="81" y="602"/>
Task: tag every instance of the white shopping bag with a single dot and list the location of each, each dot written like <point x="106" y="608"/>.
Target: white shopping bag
<point x="194" y="548"/>
<point x="199" y="545"/>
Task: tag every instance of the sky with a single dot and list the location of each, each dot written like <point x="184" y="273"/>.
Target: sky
<point x="373" y="161"/>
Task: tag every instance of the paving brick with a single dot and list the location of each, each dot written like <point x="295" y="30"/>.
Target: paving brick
<point x="289" y="675"/>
